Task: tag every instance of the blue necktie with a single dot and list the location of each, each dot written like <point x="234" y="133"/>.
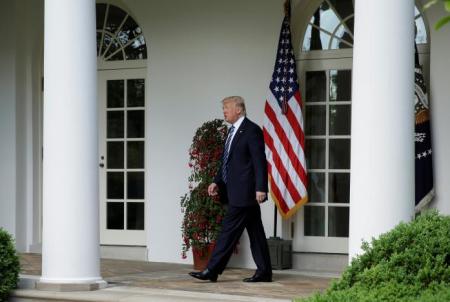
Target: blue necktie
<point x="226" y="152"/>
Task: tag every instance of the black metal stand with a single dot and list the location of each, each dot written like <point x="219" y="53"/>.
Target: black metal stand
<point x="280" y="250"/>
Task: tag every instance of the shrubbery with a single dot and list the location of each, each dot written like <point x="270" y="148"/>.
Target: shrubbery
<point x="9" y="265"/>
<point x="409" y="263"/>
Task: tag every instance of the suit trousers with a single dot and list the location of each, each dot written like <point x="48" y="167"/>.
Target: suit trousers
<point x="235" y="221"/>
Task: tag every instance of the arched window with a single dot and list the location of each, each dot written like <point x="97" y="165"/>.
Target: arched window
<point x="332" y="24"/>
<point x="119" y="37"/>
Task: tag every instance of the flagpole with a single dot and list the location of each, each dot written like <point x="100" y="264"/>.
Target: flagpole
<point x="275" y="221"/>
<point x="282" y="101"/>
<point x="287" y="13"/>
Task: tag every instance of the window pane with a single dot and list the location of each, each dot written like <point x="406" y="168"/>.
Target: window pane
<point x="315" y="153"/>
<point x="99" y="38"/>
<point x="114" y="124"/>
<point x="135" y="183"/>
<point x="114" y="155"/>
<point x="129" y="31"/>
<point x="114" y="185"/>
<point x="421" y="35"/>
<point x="135" y="155"/>
<point x="314" y="221"/>
<point x="340" y="36"/>
<point x="315" y="122"/>
<point x="316" y="187"/>
<point x="114" y="48"/>
<point x="135" y="215"/>
<point x="339" y="188"/>
<point x="114" y="19"/>
<point x="137" y="50"/>
<point x="338" y="218"/>
<point x="340" y="118"/>
<point x="135" y="124"/>
<point x="106" y="41"/>
<point x="344" y="8"/>
<point x="136" y="93"/>
<point x="115" y="93"/>
<point x="351" y="25"/>
<point x="114" y="216"/>
<point x="100" y="9"/>
<point x="340" y="85"/>
<point x="339" y="154"/>
<point x="338" y="44"/>
<point x="118" y="56"/>
<point x="315" y="39"/>
<point x="325" y="18"/>
<point x="316" y="86"/>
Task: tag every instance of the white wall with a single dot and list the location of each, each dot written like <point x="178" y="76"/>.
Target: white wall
<point x="440" y="107"/>
<point x="7" y="118"/>
<point x="199" y="52"/>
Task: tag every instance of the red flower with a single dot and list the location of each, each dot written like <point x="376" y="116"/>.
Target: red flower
<point x="202" y="214"/>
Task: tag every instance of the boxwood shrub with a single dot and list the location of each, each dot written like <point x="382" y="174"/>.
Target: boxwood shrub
<point x="409" y="263"/>
<point x="9" y="265"/>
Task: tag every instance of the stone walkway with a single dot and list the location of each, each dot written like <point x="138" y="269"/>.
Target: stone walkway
<point x="119" y="274"/>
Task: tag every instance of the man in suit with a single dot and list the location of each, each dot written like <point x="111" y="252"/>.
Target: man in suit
<point x="242" y="183"/>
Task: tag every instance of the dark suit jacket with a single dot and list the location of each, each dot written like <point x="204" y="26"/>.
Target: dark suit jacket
<point x="247" y="167"/>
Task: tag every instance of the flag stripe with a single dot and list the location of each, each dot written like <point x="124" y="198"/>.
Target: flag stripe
<point x="283" y="177"/>
<point x="279" y="152"/>
<point x="286" y="143"/>
<point x="293" y="116"/>
<point x="275" y="191"/>
<point x="285" y="125"/>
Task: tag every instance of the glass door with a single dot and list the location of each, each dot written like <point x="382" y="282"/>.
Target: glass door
<point x="122" y="157"/>
<point x="322" y="225"/>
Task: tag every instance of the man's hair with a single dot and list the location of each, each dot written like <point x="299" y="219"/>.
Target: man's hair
<point x="238" y="100"/>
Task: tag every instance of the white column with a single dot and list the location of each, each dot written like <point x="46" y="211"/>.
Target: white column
<point x="382" y="161"/>
<point x="70" y="248"/>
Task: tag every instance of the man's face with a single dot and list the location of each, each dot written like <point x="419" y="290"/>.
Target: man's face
<point x="231" y="112"/>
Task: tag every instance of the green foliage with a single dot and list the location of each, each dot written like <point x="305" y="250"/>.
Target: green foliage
<point x="9" y="265"/>
<point x="441" y="22"/>
<point x="409" y="263"/>
<point x="444" y="20"/>
<point x="203" y="214"/>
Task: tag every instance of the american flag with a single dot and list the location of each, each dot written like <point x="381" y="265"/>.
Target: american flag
<point x="283" y="131"/>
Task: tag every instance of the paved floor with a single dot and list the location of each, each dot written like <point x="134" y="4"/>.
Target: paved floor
<point x="174" y="277"/>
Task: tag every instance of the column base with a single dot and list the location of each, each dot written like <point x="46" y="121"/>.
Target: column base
<point x="70" y="287"/>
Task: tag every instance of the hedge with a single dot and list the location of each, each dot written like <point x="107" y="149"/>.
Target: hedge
<point x="409" y="263"/>
<point x="9" y="265"/>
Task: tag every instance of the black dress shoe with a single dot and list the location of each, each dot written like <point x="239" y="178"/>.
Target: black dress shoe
<point x="204" y="275"/>
<point x="259" y="278"/>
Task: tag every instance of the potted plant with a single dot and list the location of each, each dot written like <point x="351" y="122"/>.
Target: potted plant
<point x="203" y="214"/>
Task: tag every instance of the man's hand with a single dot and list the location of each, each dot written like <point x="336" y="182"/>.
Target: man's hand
<point x="261" y="197"/>
<point x="213" y="189"/>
